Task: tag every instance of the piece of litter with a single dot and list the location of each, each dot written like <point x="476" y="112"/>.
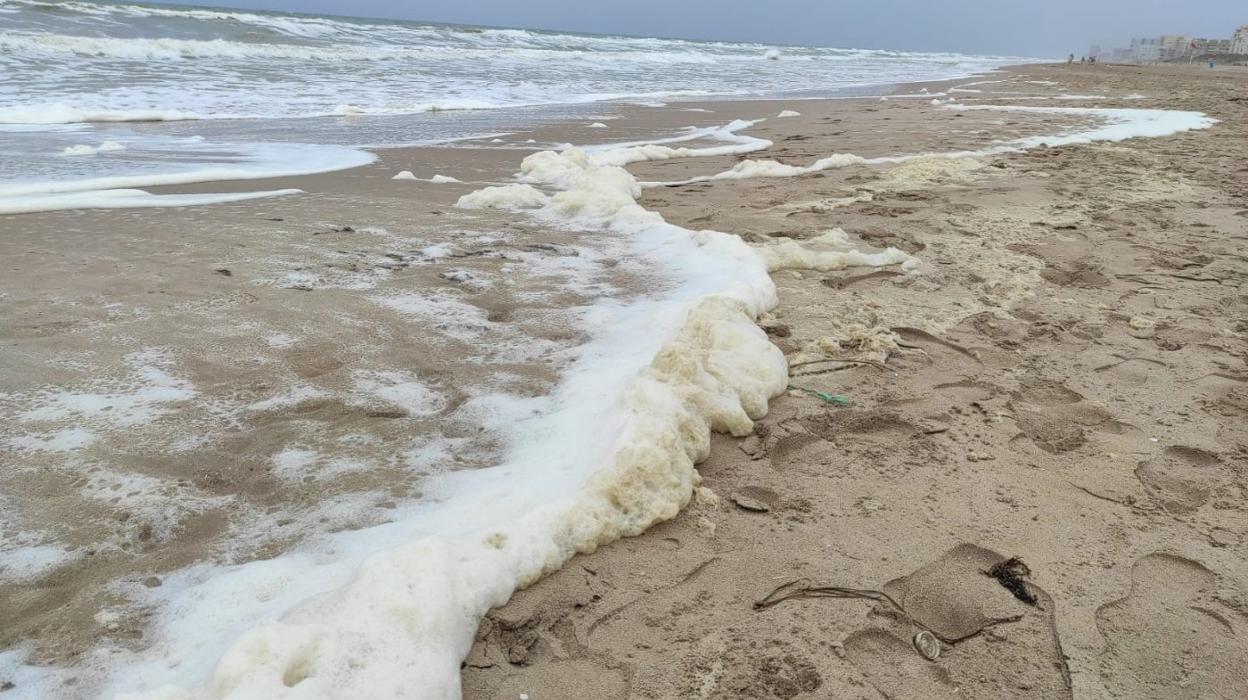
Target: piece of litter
<point x="1010" y="574"/>
<point x="927" y="645"/>
<point x="834" y="399"/>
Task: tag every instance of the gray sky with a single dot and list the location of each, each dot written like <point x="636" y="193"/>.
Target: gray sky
<point x="1011" y="27"/>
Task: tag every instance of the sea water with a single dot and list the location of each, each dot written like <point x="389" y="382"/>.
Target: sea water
<point x="185" y="94"/>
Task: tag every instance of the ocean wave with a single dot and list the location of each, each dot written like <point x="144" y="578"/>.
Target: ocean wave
<point x="175" y="49"/>
<point x="77" y="61"/>
<point x="66" y="114"/>
<point x="34" y="116"/>
<point x="42" y="45"/>
<point x="308" y="27"/>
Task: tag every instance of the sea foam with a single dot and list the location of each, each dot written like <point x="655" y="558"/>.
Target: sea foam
<point x="617" y="454"/>
<point x="1116" y="125"/>
<point x="233" y="162"/>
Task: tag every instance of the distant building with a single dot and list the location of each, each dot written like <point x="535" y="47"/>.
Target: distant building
<point x="1145" y="50"/>
<point x="1175" y="46"/>
<point x="1210" y="47"/>
<point x="1239" y="45"/>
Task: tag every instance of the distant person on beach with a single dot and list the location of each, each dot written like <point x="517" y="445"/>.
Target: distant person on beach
<point x="1083" y="60"/>
<point x="1070" y="60"/>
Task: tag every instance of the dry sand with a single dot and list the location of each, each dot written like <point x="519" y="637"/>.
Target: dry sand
<point x="1064" y="382"/>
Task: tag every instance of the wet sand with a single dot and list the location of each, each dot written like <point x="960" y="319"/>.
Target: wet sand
<point x="214" y="385"/>
<point x="1064" y="382"/>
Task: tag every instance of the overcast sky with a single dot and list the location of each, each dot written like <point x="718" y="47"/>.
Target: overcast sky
<point x="1043" y="28"/>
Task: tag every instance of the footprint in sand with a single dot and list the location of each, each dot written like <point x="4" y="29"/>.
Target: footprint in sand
<point x="1233" y="401"/>
<point x="1057" y="419"/>
<point x="895" y="669"/>
<point x="1168" y="640"/>
<point x="1182" y="478"/>
<point x="834" y="426"/>
<point x="1080" y="275"/>
<point x="788" y="447"/>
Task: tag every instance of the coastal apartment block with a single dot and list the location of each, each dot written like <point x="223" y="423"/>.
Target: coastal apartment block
<point x="1173" y="47"/>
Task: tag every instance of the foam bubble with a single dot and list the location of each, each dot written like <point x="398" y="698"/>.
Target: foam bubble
<point x="127" y="199"/>
<point x="513" y="196"/>
<point x="64" y="440"/>
<point x="826" y="252"/>
<point x="442" y="308"/>
<point x="398" y="389"/>
<point x="289" y="398"/>
<point x="149" y="391"/>
<point x="294" y="463"/>
<point x="85" y="150"/>
<point x="32" y="562"/>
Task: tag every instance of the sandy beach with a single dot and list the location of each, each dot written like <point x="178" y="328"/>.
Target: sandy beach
<point x="1064" y="383"/>
<point x="1055" y="373"/>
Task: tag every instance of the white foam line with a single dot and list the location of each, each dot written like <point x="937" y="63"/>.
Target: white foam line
<point x="436" y="142"/>
<point x="986" y="82"/>
<point x="258" y="161"/>
<point x="127" y="199"/>
<point x="728" y="132"/>
<point x="1121" y="124"/>
<point x="323" y="159"/>
<point x="54" y="114"/>
<point x="390" y="611"/>
<point x="1022" y="96"/>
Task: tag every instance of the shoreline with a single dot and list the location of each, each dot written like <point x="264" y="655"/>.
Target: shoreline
<point x="367" y="180"/>
<point x="559" y="119"/>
